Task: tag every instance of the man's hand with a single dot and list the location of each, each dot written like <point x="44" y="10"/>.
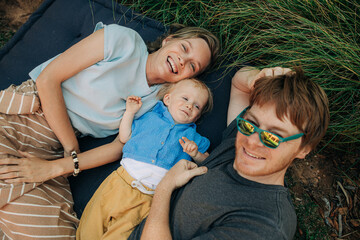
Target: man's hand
<point x="180" y="174"/>
<point x="270" y="72"/>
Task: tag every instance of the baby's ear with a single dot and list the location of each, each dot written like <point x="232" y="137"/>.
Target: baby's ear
<point x="166" y="99"/>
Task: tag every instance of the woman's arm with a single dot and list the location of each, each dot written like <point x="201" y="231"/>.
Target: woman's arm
<point x="80" y="56"/>
<point x="34" y="169"/>
<point x="157" y="223"/>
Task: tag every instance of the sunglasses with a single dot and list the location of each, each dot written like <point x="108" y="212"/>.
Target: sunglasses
<point x="269" y="139"/>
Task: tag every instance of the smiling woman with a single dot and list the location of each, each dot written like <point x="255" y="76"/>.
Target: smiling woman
<point x="82" y="93"/>
<point x="178" y="59"/>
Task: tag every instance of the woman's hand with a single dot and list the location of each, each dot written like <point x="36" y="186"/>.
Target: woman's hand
<point x="27" y="169"/>
<point x="180" y="174"/>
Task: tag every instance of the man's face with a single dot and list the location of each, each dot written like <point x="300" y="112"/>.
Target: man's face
<point x="257" y="162"/>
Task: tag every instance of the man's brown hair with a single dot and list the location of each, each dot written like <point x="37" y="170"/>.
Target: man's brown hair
<point x="303" y="101"/>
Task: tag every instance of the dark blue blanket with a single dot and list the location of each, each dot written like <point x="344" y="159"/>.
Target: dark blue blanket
<point x="57" y="25"/>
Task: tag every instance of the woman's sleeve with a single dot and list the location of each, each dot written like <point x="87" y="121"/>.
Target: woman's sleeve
<point x="119" y="41"/>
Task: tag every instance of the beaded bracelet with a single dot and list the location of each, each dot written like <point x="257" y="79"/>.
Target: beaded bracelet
<point x="76" y="163"/>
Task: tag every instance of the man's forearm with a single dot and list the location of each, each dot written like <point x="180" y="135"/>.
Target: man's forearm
<point x="157" y="223"/>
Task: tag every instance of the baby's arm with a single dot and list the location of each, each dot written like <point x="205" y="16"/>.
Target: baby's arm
<point x="191" y="148"/>
<point x="133" y="104"/>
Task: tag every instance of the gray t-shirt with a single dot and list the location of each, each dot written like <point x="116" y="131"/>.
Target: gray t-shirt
<point x="223" y="205"/>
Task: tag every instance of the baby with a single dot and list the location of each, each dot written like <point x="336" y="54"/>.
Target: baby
<point x="154" y="143"/>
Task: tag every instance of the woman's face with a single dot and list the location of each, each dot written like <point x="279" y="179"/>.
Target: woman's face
<point x="177" y="59"/>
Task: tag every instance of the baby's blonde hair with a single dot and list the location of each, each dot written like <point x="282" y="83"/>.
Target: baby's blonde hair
<point x="167" y="87"/>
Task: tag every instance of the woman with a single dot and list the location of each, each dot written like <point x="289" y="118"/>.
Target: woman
<point x="84" y="89"/>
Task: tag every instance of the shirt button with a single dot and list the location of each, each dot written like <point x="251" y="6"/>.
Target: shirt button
<point x="153" y="161"/>
<point x="162" y="143"/>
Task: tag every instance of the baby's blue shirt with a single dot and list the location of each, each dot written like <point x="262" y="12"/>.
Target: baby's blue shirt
<point x="155" y="139"/>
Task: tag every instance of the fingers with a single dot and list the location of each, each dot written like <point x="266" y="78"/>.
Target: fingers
<point x="134" y="99"/>
<point x="185" y="139"/>
<point x="182" y="143"/>
<point x="280" y="71"/>
<point x="26" y="154"/>
<point x="194" y="170"/>
<point x="12" y="175"/>
<point x="7" y="161"/>
<point x="187" y="145"/>
<point x="197" y="171"/>
<point x="271" y="72"/>
<point x="8" y="169"/>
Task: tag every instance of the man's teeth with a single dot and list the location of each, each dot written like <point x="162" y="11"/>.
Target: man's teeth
<point x="251" y="155"/>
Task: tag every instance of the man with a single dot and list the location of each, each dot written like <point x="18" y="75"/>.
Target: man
<point x="242" y="194"/>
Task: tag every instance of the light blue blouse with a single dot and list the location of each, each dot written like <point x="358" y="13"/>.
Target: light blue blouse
<point x="95" y="98"/>
<point x="155" y="139"/>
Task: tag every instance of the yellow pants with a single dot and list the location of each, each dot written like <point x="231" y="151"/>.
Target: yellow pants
<point x="115" y="209"/>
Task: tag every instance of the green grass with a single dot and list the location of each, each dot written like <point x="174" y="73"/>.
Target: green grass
<point x="309" y="221"/>
<point x="320" y="35"/>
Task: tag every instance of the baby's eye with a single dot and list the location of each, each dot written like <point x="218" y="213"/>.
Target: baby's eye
<point x="185" y="98"/>
<point x="198" y="107"/>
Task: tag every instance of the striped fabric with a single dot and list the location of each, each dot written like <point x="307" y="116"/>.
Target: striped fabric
<point x="32" y="210"/>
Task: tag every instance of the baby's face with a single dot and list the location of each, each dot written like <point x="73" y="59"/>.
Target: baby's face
<point x="186" y="101"/>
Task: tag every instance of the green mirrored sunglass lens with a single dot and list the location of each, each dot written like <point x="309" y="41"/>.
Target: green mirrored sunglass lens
<point x="270" y="139"/>
<point x="246" y="128"/>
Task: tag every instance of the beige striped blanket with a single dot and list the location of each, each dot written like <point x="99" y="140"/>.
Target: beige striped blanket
<point x="32" y="210"/>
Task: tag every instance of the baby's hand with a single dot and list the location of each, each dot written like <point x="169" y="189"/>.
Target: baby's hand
<point x="133" y="104"/>
<point x="190" y="147"/>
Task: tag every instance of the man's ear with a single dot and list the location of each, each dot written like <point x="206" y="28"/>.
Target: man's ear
<point x="166" y="99"/>
<point x="303" y="152"/>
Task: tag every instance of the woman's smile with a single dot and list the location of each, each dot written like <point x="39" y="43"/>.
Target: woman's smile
<point x="172" y="65"/>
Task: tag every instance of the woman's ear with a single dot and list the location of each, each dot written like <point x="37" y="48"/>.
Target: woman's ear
<point x="166" y="99"/>
<point x="166" y="40"/>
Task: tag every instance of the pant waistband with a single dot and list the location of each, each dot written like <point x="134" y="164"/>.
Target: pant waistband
<point x="134" y="182"/>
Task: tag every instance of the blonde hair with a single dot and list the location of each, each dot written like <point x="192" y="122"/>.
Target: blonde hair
<point x="167" y="87"/>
